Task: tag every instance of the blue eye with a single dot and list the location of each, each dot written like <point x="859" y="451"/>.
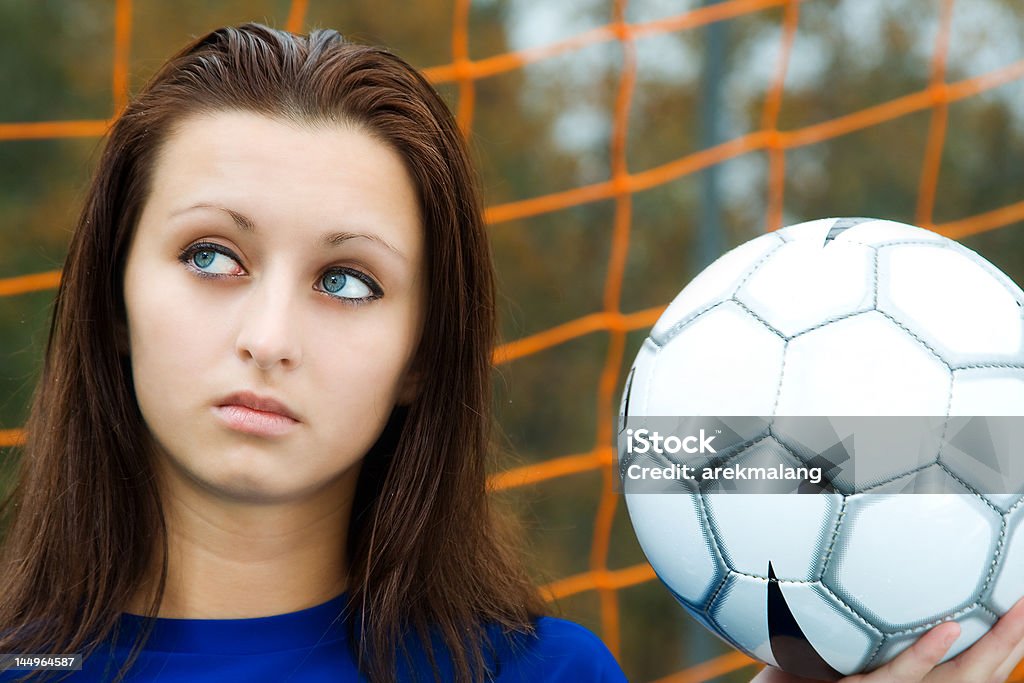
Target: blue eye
<point x="348" y="285"/>
<point x="204" y="258"/>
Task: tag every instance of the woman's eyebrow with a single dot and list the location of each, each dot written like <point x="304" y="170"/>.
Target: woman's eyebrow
<point x="327" y="239"/>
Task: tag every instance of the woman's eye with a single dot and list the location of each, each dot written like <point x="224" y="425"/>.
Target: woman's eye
<point x="344" y="285"/>
<point x="202" y="258"/>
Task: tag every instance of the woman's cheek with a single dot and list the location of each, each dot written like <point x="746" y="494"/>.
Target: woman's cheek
<point x="375" y="365"/>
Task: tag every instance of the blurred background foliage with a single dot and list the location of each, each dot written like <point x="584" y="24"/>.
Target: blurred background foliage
<point x="544" y="128"/>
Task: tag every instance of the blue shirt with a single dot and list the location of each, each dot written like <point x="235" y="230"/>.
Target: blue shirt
<point x="311" y="646"/>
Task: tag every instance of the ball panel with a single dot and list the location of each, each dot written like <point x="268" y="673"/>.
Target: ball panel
<point x="810" y="231"/>
<point x="879" y="232"/>
<point x="722" y="363"/>
<point x="715" y="283"/>
<point x="894" y="561"/>
<point x="1008" y="585"/>
<point x="747" y="525"/>
<point x="951" y="302"/>
<point x="817" y="282"/>
<point x="676" y="542"/>
<point x="879" y="451"/>
<point x="739" y="610"/>
<point x="1012" y="287"/>
<point x="988" y="391"/>
<point x="843" y="639"/>
<point x="699" y="614"/>
<point x="985" y="455"/>
<point x="863" y="365"/>
<point x="996" y="472"/>
<point x="833" y="631"/>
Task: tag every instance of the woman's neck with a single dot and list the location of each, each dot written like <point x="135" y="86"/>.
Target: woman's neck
<point x="232" y="559"/>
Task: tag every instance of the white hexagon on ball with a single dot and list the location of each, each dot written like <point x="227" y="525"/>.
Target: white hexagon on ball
<point x="947" y="296"/>
<point x="1008" y="584"/>
<point x="747" y="525"/>
<point x="676" y="542"/>
<point x="862" y="365"/>
<point x="724" y="362"/>
<point x="824" y="284"/>
<point x="989" y="464"/>
<point x="894" y="563"/>
<point x="717" y="282"/>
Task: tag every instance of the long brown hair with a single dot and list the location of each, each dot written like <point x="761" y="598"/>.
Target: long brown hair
<point x="84" y="519"/>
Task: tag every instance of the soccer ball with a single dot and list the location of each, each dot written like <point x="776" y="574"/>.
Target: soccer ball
<point x="837" y="317"/>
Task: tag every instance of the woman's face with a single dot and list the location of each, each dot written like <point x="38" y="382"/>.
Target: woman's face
<point x="282" y="261"/>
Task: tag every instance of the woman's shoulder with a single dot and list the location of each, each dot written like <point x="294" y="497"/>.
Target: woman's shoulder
<point x="561" y="650"/>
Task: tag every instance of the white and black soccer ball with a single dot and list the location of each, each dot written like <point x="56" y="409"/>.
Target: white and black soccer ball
<point x="838" y="317"/>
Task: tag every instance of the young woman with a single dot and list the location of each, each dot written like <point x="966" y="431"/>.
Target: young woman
<point x="256" y="452"/>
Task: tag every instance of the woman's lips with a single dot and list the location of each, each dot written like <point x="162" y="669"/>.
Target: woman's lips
<point x="257" y="422"/>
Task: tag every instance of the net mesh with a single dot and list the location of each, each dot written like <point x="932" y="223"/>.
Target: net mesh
<point x="464" y="72"/>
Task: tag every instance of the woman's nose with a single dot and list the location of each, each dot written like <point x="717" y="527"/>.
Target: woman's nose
<point x="269" y="332"/>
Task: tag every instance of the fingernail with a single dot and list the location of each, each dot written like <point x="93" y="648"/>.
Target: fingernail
<point x="950" y="638"/>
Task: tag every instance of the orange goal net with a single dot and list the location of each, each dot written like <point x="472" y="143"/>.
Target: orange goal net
<point x="773" y="139"/>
